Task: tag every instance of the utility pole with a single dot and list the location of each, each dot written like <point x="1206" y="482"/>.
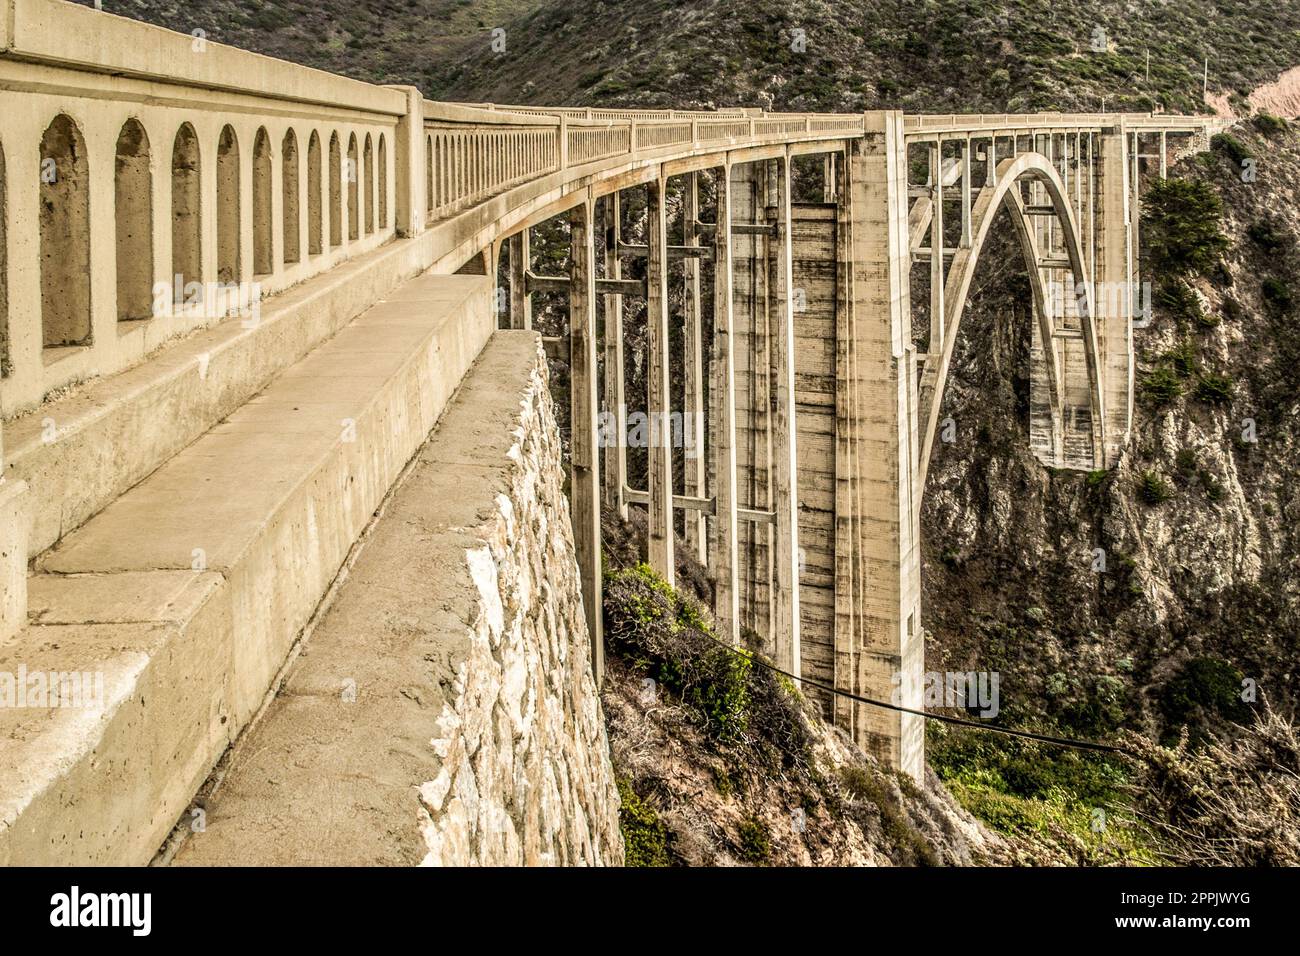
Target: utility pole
<point x="1205" y="81"/>
<point x="1148" y="66"/>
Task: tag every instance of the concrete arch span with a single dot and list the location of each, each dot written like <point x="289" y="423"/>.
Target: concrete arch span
<point x="1005" y="192"/>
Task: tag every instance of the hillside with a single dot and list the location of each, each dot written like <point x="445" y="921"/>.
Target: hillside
<point x="933" y="55"/>
<point x="380" y="41"/>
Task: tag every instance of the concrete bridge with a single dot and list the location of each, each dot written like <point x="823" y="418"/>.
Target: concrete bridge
<point x="238" y="295"/>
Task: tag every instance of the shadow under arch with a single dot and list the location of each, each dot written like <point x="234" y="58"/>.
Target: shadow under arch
<point x="1004" y="191"/>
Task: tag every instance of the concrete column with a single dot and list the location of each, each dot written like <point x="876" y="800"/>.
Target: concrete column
<point x="519" y="257"/>
<point x="814" y="257"/>
<point x="879" y="650"/>
<point x="751" y="275"/>
<point x="409" y="165"/>
<point x="584" y="489"/>
<point x="659" y="397"/>
<point x="725" y="561"/>
<point x="615" y="401"/>
<point x="693" y="455"/>
<point x="936" y="250"/>
<point x="785" y="492"/>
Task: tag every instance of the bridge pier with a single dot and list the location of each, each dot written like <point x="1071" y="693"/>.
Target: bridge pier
<point x="879" y="650"/>
<point x="1114" y="276"/>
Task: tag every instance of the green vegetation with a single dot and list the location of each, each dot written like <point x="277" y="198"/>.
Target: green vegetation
<point x="1277" y="293"/>
<point x="755" y="841"/>
<point x="1181" y="223"/>
<point x="898" y="830"/>
<point x="1161" y="386"/>
<point x="1184" y="358"/>
<point x="665" y="635"/>
<point x="1214" y="389"/>
<point x="1153" y="489"/>
<point x="1177" y="298"/>
<point x="1203" y="693"/>
<point x="1230" y="146"/>
<point x="1270" y="234"/>
<point x="645" y="838"/>
<point x="1070" y="800"/>
<point x="1270" y="125"/>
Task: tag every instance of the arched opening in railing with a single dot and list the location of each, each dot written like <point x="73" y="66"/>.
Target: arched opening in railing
<point x="263" y="222"/>
<point x="368" y="177"/>
<point x="289" y="196"/>
<point x="336" y="192"/>
<point x="354" y="192"/>
<point x="228" y="207"/>
<point x="133" y="216"/>
<point x="315" y="212"/>
<point x="187" y="219"/>
<point x="428" y="174"/>
<point x="65" y="235"/>
<point x="383" y="182"/>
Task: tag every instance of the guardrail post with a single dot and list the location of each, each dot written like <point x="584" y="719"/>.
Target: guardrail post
<point x="409" y="162"/>
<point x="564" y="142"/>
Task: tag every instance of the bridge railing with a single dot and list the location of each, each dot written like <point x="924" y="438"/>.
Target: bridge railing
<point x="475" y="151"/>
<point x="156" y="182"/>
<point x="916" y="124"/>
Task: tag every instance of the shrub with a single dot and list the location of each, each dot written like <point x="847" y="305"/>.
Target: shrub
<point x="1181" y="218"/>
<point x="645" y="838"/>
<point x="1269" y="234"/>
<point x="1277" y="293"/>
<point x="1204" y="691"/>
<point x="1183" y="357"/>
<point x="1214" y="389"/>
<point x="1232" y="801"/>
<point x="1180" y="301"/>
<point x="1153" y="489"/>
<point x="1161" y="386"/>
<point x="755" y="841"/>
<point x="1232" y="309"/>
<point x="1270" y="125"/>
<point x="1230" y="146"/>
<point x="665" y="635"/>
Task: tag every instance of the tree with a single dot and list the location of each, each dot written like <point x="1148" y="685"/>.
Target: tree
<point x="1181" y="219"/>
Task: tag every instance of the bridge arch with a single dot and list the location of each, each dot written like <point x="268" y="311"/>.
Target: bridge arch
<point x="1004" y="192"/>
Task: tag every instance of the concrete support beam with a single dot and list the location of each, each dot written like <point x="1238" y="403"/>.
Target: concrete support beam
<point x="519" y="256"/>
<point x="659" y="397"/>
<point x="694" y="462"/>
<point x="726" y="605"/>
<point x="584" y="488"/>
<point x="936" y="247"/>
<point x="615" y="401"/>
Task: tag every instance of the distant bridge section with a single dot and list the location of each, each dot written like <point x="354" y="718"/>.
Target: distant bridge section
<point x="185" y="221"/>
